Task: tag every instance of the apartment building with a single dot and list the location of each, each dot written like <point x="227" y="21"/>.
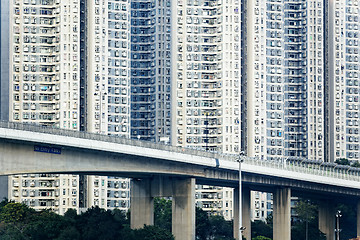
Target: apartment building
<point x="285" y="79"/>
<point x="185" y="78"/>
<point x="206" y="84"/>
<point x="343" y="85"/>
<point x="300" y="70"/>
<point x="74" y="63"/>
<point x="206" y="73"/>
<point x="273" y="78"/>
<point x="44" y="65"/>
<point x="150" y="70"/>
<point x="301" y="77"/>
<point x="69" y="69"/>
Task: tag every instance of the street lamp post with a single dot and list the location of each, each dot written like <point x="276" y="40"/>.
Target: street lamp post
<point x="241" y="228"/>
<point x="338" y="230"/>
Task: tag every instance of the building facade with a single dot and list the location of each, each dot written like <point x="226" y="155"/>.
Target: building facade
<point x="108" y="67"/>
<point x="285" y="79"/>
<point x="69" y="69"/>
<point x="343" y="85"/>
<point x="205" y="99"/>
<point x="274" y="78"/>
<point x="301" y="77"/>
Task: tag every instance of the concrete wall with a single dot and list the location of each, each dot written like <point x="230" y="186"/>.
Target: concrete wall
<point x="3" y="187"/>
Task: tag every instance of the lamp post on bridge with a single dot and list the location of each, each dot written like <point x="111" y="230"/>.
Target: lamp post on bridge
<point x="240" y="160"/>
<point x="337" y="229"/>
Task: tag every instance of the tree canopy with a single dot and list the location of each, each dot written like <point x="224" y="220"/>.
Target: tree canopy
<point x="19" y="222"/>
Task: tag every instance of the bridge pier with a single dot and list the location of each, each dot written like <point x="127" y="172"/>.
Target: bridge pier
<point x="182" y="191"/>
<point x="327" y="219"/>
<point x="245" y="211"/>
<point x="183" y="209"/>
<point x="282" y="214"/>
<point x="142" y="203"/>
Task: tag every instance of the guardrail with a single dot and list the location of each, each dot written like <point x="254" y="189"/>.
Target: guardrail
<point x="113" y="139"/>
<point x="301" y="166"/>
<point x="310" y="167"/>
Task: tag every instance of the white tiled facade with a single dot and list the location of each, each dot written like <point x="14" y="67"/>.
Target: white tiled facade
<point x="273" y="78"/>
<point x="108" y="192"/>
<point x="206" y="84"/>
<point x="302" y="79"/>
<point x="206" y="65"/>
<point x="285" y="79"/>
<point x="46" y="88"/>
<point x="261" y="205"/>
<point x="45" y="191"/>
<point x="301" y="74"/>
<point x="215" y="200"/>
<point x="108" y="86"/>
<point x="344" y="75"/>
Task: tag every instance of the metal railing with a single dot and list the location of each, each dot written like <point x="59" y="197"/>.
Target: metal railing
<point x="112" y="139"/>
<point x="310" y="167"/>
<point x="301" y="166"/>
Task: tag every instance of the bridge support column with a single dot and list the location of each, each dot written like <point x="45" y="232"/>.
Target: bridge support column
<point x="183" y="209"/>
<point x="142" y="204"/>
<point x="358" y="218"/>
<point x="245" y="211"/>
<point x="327" y="219"/>
<point x="282" y="214"/>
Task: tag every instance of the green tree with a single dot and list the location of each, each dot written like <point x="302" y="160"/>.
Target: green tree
<point x="207" y="227"/>
<point x="347" y="221"/>
<point x="343" y="161"/>
<point x="15" y="212"/>
<point x="163" y="213"/>
<point x="261" y="229"/>
<point x="306" y="226"/>
<point x="261" y="238"/>
<point x="306" y="212"/>
<point x="202" y="224"/>
<point x="355" y="164"/>
<point x="19" y="222"/>
<point x="220" y="228"/>
<point x="45" y="225"/>
<point x="153" y="233"/>
<point x="15" y="218"/>
<point x="69" y="233"/>
<point x="121" y="217"/>
<point x="97" y="223"/>
<point x="3" y="203"/>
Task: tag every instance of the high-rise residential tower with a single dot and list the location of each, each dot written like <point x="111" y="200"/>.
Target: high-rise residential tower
<point x="205" y="101"/>
<point x="150" y="70"/>
<point x="69" y="67"/>
<point x="302" y="72"/>
<point x="44" y="60"/>
<point x="285" y="79"/>
<point x="185" y="79"/>
<point x="206" y="75"/>
<point x="343" y="74"/>
<point x="273" y="78"/>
